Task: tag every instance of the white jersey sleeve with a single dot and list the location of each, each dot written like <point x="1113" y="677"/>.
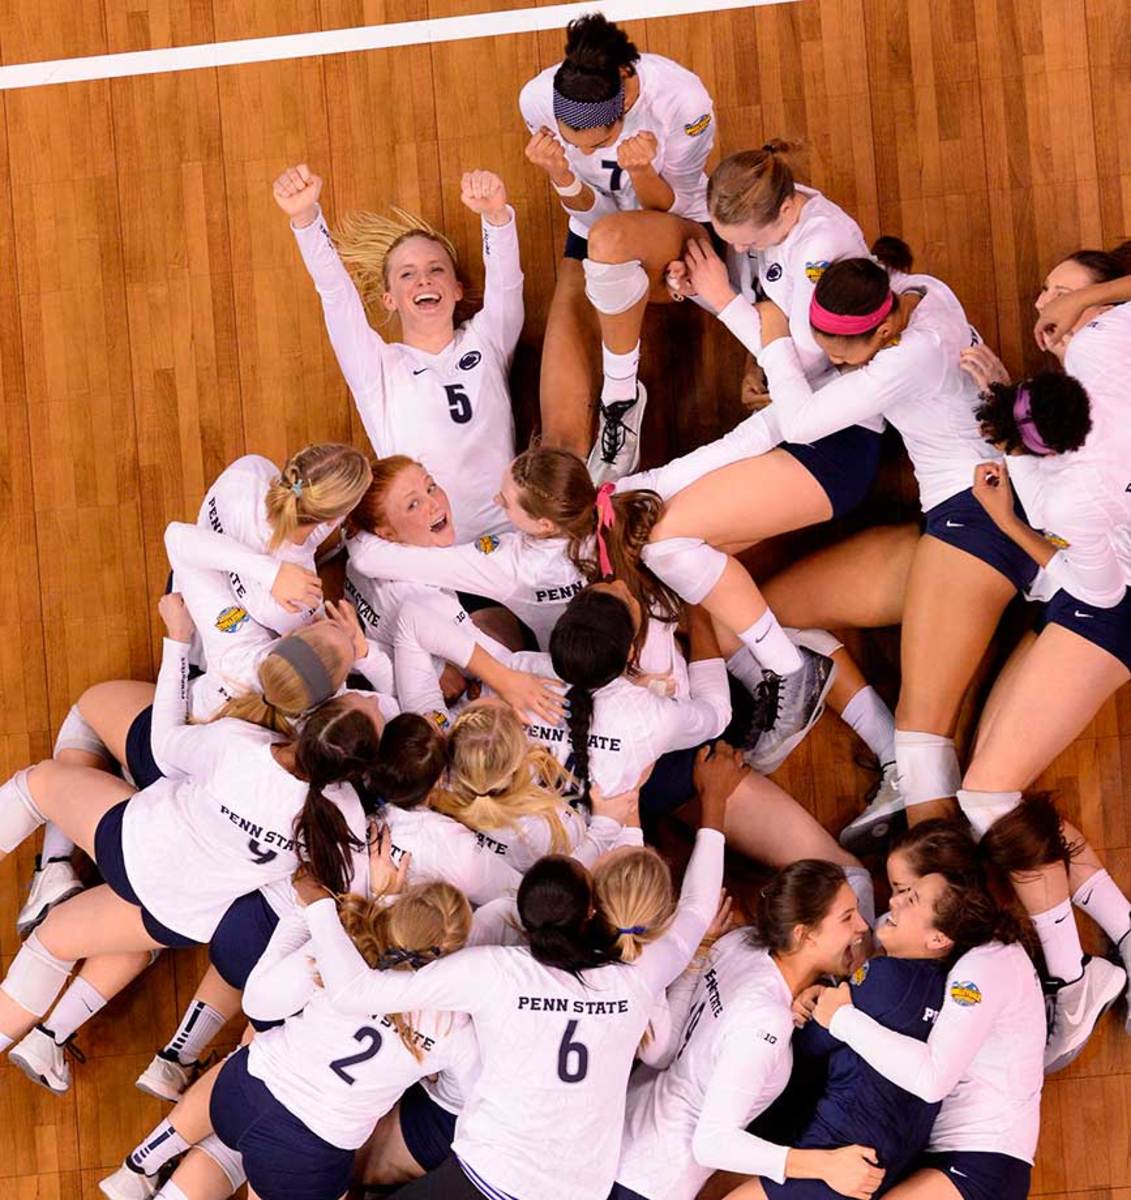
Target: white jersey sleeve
<point x="205" y="550"/>
<point x="282" y="982"/>
<point x="685" y="112"/>
<point x="499" y="321"/>
<point x="172" y="740"/>
<point x="705" y="713"/>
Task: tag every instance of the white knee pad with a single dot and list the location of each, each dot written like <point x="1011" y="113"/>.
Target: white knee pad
<point x="615" y="287"/>
<point x="927" y="765"/>
<point x="170" y="1192"/>
<point x="819" y="640"/>
<point x="860" y="881"/>
<point x="228" y="1160"/>
<point x="982" y="809"/>
<point x="687" y="565"/>
<point x="19" y="817"/>
<point x="76" y="733"/>
<point x="36" y="977"/>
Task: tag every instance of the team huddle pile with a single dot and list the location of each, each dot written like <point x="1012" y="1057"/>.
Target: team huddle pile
<point x="407" y="823"/>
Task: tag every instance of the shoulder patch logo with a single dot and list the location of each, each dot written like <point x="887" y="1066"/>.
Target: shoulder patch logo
<point x="860" y="974"/>
<point x="470" y="360"/>
<point x="773" y="273"/>
<point x="1054" y="539"/>
<point x="814" y="270"/>
<point x="965" y="993"/>
<point x="232" y="618"/>
<point x="698" y="126"/>
<point x="438" y="719"/>
<point x="487" y="544"/>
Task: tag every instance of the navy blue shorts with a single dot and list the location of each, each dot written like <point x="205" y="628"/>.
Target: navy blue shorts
<point x="844" y="464"/>
<point x="241" y="937"/>
<point x="578" y="247"/>
<point x="283" y="1159"/>
<point x="670" y="783"/>
<point x="139" y="750"/>
<point x="1108" y="628"/>
<point x="962" y="522"/>
<point x="428" y="1130"/>
<point x="111" y="863"/>
<point x="620" y="1192"/>
<point x="980" y="1175"/>
<point x="799" y="1189"/>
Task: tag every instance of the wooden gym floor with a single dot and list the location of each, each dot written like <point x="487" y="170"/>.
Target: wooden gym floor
<point x="156" y="323"/>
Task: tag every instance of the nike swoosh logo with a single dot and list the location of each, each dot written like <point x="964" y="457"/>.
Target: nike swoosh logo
<point x="1083" y="616"/>
<point x="954" y="524"/>
<point x="1061" y="919"/>
<point x="421" y="371"/>
<point x="757" y="641"/>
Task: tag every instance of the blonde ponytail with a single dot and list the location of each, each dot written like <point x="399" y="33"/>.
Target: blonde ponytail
<point x="633" y="890"/>
<point x="752" y="185"/>
<point x="321" y="483"/>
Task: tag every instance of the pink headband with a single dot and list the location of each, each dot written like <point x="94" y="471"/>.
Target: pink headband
<point x="606" y="519"/>
<point x="1023" y="417"/>
<point x="840" y="324"/>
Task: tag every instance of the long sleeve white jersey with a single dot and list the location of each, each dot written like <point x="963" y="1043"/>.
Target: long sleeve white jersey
<point x="915" y="382"/>
<point x="546" y="1114"/>
<point x="1081" y="501"/>
<point x="338" y="1072"/>
<point x="674" y="105"/>
<point x="984" y="1058"/>
<point x="451" y="410"/>
<point x="788" y="273"/>
<point x="222" y="823"/>
<point x="734" y="1059"/>
<point x="533" y="577"/>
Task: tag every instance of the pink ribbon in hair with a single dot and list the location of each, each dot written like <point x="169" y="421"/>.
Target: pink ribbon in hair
<point x="606" y="519"/>
<point x="843" y="325"/>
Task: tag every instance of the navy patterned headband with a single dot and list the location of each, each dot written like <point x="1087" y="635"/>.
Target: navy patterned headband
<point x="589" y="114"/>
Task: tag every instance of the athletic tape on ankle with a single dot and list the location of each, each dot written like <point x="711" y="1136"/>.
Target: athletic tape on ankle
<point x="928" y="766"/>
<point x="687" y="565"/>
<point x="982" y="809"/>
<point x="228" y="1160"/>
<point x="36" y="977"/>
<point x="76" y="733"/>
<point x="19" y="817"/>
<point x="614" y="288"/>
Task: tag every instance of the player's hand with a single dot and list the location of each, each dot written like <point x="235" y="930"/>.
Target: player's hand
<point x="718" y="770"/>
<point x="386" y="878"/>
<point x="830" y="1000"/>
<point x="531" y="695"/>
<point x="994" y="492"/>
<point x="1057" y="320"/>
<point x="707" y="274"/>
<point x="307" y="889"/>
<point x="453" y="683"/>
<point x="804" y="1003"/>
<point x="296" y="192"/>
<point x="624" y="808"/>
<point x="725" y="919"/>
<point x="775" y="324"/>
<point x="545" y="151"/>
<point x="344" y="615"/>
<point x="983" y="366"/>
<point x="637" y="152"/>
<point x="677" y="280"/>
<point x="853" y="1171"/>
<point x="755" y="392"/>
<point x="295" y="588"/>
<point x="178" y="623"/>
<point x="484" y="192"/>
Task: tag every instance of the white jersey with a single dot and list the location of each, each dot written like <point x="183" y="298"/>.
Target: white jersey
<point x="339" y="1073"/>
<point x="450" y="411"/>
<point x="734" y="1059"/>
<point x="1081" y="501"/>
<point x="788" y="274"/>
<point x="915" y="382"/>
<point x="984" y="1058"/>
<point x="222" y="824"/>
<point x="674" y="105"/>
<point x="533" y="577"/>
<point x="546" y="1114"/>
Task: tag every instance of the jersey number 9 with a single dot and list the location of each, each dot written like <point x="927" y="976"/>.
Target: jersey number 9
<point x="573" y="1057"/>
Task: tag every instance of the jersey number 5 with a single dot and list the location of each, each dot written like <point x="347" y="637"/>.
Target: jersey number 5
<point x="573" y="1057"/>
<point x="459" y="403"/>
<point x="364" y="1034"/>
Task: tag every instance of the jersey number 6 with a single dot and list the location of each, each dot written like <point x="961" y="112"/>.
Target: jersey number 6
<point x="575" y="1071"/>
<point x="364" y="1034"/>
<point x="459" y="403"/>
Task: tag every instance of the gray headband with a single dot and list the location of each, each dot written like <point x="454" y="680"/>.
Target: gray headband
<point x="308" y="666"/>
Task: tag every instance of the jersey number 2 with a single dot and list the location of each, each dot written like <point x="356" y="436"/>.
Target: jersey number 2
<point x="459" y="403"/>
<point x="364" y="1034"/>
<point x="572" y="1071"/>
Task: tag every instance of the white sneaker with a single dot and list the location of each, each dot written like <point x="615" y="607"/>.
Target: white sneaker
<point x="1124" y="949"/>
<point x="43" y="1060"/>
<point x="786" y="707"/>
<point x="1077" y="1006"/>
<point x="53" y="882"/>
<point x="884" y="816"/>
<point x="166" y="1078"/>
<point x="128" y="1184"/>
<point x="616" y="452"/>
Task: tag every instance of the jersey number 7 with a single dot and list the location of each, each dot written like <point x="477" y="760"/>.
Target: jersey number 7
<point x="459" y="403"/>
<point x="616" y="171"/>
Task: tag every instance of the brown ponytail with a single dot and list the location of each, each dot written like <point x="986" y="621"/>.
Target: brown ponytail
<point x="752" y="185"/>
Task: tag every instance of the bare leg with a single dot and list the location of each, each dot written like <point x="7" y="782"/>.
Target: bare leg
<point x="571" y="364"/>
<point x="385" y="1160"/>
<point x="110" y="708"/>
<point x="190" y="1116"/>
<point x="925" y="1185"/>
<point x="501" y="624"/>
<point x="767" y="824"/>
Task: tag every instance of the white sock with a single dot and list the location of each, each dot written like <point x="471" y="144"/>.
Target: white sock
<point x="745" y="668"/>
<point x="871" y="720"/>
<point x="770" y="645"/>
<point x="6" y="1042"/>
<point x="620" y="374"/>
<point x="199" y="1025"/>
<point x="151" y="1154"/>
<point x="1060" y="940"/>
<point x="860" y="881"/>
<point x="170" y="1192"/>
<point x="1100" y="897"/>
<point x="56" y="844"/>
<point x="76" y="1006"/>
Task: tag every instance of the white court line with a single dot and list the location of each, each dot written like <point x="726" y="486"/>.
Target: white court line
<point x="341" y="41"/>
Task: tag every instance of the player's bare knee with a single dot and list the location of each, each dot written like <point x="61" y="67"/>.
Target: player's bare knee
<point x="611" y="240"/>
